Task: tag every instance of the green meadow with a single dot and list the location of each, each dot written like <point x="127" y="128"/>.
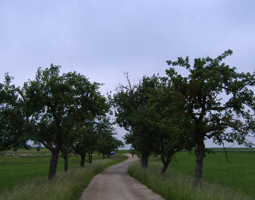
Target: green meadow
<point x="222" y="179"/>
<point x="237" y="173"/>
<point x="25" y="177"/>
<point x="15" y="168"/>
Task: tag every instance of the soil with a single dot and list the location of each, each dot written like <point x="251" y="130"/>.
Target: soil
<point x="114" y="183"/>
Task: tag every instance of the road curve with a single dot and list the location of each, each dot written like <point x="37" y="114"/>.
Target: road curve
<point x="114" y="183"/>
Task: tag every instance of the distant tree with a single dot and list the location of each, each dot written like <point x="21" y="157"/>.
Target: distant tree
<point x="218" y="101"/>
<point x="161" y="121"/>
<point x="85" y="141"/>
<point x="91" y="137"/>
<point x="132" y="151"/>
<point x="54" y="103"/>
<point x="130" y="102"/>
<point x="167" y="118"/>
<point x="107" y="141"/>
<point x="13" y="134"/>
<point x="67" y="150"/>
<point x="79" y="145"/>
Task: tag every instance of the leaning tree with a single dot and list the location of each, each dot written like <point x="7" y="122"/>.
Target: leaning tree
<point x="218" y="100"/>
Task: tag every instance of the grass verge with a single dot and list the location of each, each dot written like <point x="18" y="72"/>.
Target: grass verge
<point x="67" y="186"/>
<point x="20" y="168"/>
<point x="176" y="186"/>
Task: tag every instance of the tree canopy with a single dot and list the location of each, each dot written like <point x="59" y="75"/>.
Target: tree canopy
<point x="12" y="118"/>
<point x="162" y="115"/>
<point x="218" y="100"/>
<point x="47" y="109"/>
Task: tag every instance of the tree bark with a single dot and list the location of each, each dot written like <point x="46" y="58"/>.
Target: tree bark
<point x="90" y="157"/>
<point x="53" y="164"/>
<point x="166" y="162"/>
<point x="66" y="164"/>
<point x="82" y="160"/>
<point x="199" y="164"/>
<point x="145" y="158"/>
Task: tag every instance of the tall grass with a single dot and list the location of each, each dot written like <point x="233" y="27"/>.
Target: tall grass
<point x="239" y="174"/>
<point x="21" y="168"/>
<point x="67" y="185"/>
<point x="176" y="186"/>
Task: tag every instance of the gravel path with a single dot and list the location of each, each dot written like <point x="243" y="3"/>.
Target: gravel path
<point x="114" y="183"/>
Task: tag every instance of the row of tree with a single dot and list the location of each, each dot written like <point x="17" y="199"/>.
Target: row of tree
<point x="164" y="115"/>
<point x="65" y="113"/>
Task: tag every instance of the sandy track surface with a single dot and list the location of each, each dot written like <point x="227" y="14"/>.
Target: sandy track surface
<point x="114" y="183"/>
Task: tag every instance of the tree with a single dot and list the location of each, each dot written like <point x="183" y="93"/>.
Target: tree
<point x="54" y="103"/>
<point x="106" y="141"/>
<point x="161" y="120"/>
<point x="12" y="119"/>
<point x="132" y="151"/>
<point x="85" y="140"/>
<point x="214" y="117"/>
<point x="67" y="150"/>
<point x="167" y="117"/>
<point x="129" y="102"/>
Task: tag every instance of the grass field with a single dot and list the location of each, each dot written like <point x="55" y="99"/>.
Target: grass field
<point x="15" y="168"/>
<point x="67" y="185"/>
<point x="218" y="175"/>
<point x="239" y="175"/>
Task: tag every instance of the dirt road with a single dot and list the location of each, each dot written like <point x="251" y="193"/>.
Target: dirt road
<point x="114" y="183"/>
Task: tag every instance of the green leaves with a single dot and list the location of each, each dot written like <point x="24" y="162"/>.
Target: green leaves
<point x="208" y="80"/>
<point x="12" y="117"/>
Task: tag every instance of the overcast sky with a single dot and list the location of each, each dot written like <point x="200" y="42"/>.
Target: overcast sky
<point x="102" y="39"/>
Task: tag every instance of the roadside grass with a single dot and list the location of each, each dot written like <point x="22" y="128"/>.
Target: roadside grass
<point x="221" y="179"/>
<point x="15" y="169"/>
<point x="66" y="186"/>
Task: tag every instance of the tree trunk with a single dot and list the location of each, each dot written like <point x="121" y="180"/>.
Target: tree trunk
<point x="82" y="160"/>
<point x="145" y="158"/>
<point x="103" y="156"/>
<point x="66" y="164"/>
<point x="53" y="165"/>
<point x="199" y="164"/>
<point x="90" y="157"/>
<point x="165" y="165"/>
<point x="65" y="154"/>
<point x="166" y="162"/>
